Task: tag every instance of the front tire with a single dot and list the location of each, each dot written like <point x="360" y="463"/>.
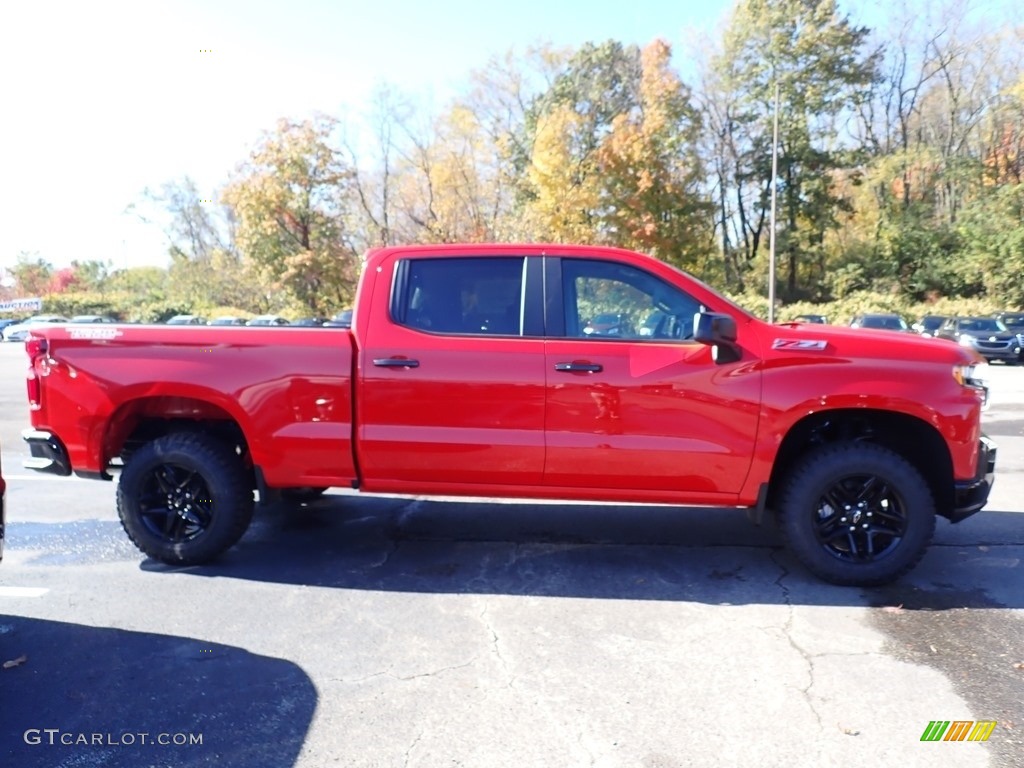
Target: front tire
<point x="184" y="498"/>
<point x="857" y="514"/>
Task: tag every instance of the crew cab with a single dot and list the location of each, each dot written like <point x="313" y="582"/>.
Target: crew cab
<point x="468" y="370"/>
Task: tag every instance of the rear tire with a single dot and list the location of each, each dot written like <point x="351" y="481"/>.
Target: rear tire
<point x="857" y="514"/>
<point x="184" y="498"/>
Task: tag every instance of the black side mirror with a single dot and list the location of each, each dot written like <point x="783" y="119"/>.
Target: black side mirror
<point x="719" y="332"/>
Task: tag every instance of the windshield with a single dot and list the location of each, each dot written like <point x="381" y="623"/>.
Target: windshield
<point x="1013" y="321"/>
<point x="982" y="324"/>
<point x="887" y="322"/>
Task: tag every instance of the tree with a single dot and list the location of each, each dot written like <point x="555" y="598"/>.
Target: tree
<point x="451" y="187"/>
<point x="290" y="200"/>
<point x="143" y="283"/>
<point x="32" y="274"/>
<point x="650" y="171"/>
<point x="92" y="274"/>
<point x="196" y="225"/>
<point x="939" y="137"/>
<point x="560" y="191"/>
<point x="816" y="57"/>
<point x="63" y="280"/>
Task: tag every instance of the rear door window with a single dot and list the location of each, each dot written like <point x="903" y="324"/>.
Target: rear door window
<point x="466" y="296"/>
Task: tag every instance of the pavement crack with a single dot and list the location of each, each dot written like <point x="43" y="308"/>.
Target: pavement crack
<point x="496" y="646"/>
<point x="591" y="755"/>
<point x="406" y="678"/>
<point x="787" y="629"/>
<point x="408" y="752"/>
<point x="433" y="673"/>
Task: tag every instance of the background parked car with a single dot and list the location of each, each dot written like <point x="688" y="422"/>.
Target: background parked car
<point x="187" y="320"/>
<point x="820" y="319"/>
<point x="269" y="320"/>
<point x="92" y="319"/>
<point x="311" y="322"/>
<point x="608" y="324"/>
<point x="929" y="324"/>
<point x="1014" y="321"/>
<point x="986" y="335"/>
<point x="8" y="321"/>
<point x="880" y="321"/>
<point x="341" y="320"/>
<point x="19" y="331"/>
<point x="226" y="320"/>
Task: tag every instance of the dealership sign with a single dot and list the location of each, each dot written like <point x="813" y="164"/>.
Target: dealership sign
<point x="20" y="305"/>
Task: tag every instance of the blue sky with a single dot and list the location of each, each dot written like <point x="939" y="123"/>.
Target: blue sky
<point x="102" y="99"/>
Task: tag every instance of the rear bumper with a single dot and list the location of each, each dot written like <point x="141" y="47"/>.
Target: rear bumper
<point x="971" y="495"/>
<point x="48" y="453"/>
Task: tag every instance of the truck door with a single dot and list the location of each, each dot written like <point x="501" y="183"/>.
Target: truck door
<point x="451" y="376"/>
<point x="633" y="402"/>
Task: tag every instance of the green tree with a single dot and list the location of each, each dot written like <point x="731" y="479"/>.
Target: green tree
<point x="92" y="274"/>
<point x="992" y="231"/>
<point x="143" y="282"/>
<point x="817" y="59"/>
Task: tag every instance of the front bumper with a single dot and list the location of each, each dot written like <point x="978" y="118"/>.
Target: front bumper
<point x="48" y="453"/>
<point x="1007" y="352"/>
<point x="971" y="495"/>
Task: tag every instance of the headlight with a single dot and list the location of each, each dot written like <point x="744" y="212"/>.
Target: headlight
<point x="974" y="376"/>
<point x="966" y="341"/>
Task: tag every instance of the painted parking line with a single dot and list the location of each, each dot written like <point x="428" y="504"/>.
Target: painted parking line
<point x="23" y="591"/>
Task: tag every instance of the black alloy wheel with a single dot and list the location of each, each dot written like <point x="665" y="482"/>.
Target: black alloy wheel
<point x="185" y="498"/>
<point x="856" y="513"/>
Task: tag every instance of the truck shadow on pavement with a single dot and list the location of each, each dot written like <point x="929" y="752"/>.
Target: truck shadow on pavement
<point x="102" y="689"/>
<point x="711" y="556"/>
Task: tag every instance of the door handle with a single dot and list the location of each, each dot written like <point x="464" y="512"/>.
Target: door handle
<point x="579" y="367"/>
<point x="395" y="362"/>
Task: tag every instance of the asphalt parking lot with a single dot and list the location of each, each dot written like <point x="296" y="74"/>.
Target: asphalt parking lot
<point x="387" y="631"/>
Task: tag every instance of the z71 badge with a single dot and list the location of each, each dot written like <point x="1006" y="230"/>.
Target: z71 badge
<point x="807" y="345"/>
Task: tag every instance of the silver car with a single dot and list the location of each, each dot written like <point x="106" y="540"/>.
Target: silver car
<point x="19" y="331"/>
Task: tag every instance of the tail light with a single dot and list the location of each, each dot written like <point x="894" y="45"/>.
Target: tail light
<point x="35" y="347"/>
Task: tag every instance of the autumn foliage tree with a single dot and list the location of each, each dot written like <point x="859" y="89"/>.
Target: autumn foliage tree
<point x="290" y="200"/>
<point x="651" y="174"/>
<point x="612" y="156"/>
<point x="32" y="275"/>
<point x="900" y="164"/>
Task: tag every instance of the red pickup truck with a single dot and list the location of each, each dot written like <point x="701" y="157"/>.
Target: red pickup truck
<point x="476" y="370"/>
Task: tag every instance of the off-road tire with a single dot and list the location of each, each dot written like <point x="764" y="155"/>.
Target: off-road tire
<point x="185" y="498"/>
<point x="824" y="508"/>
